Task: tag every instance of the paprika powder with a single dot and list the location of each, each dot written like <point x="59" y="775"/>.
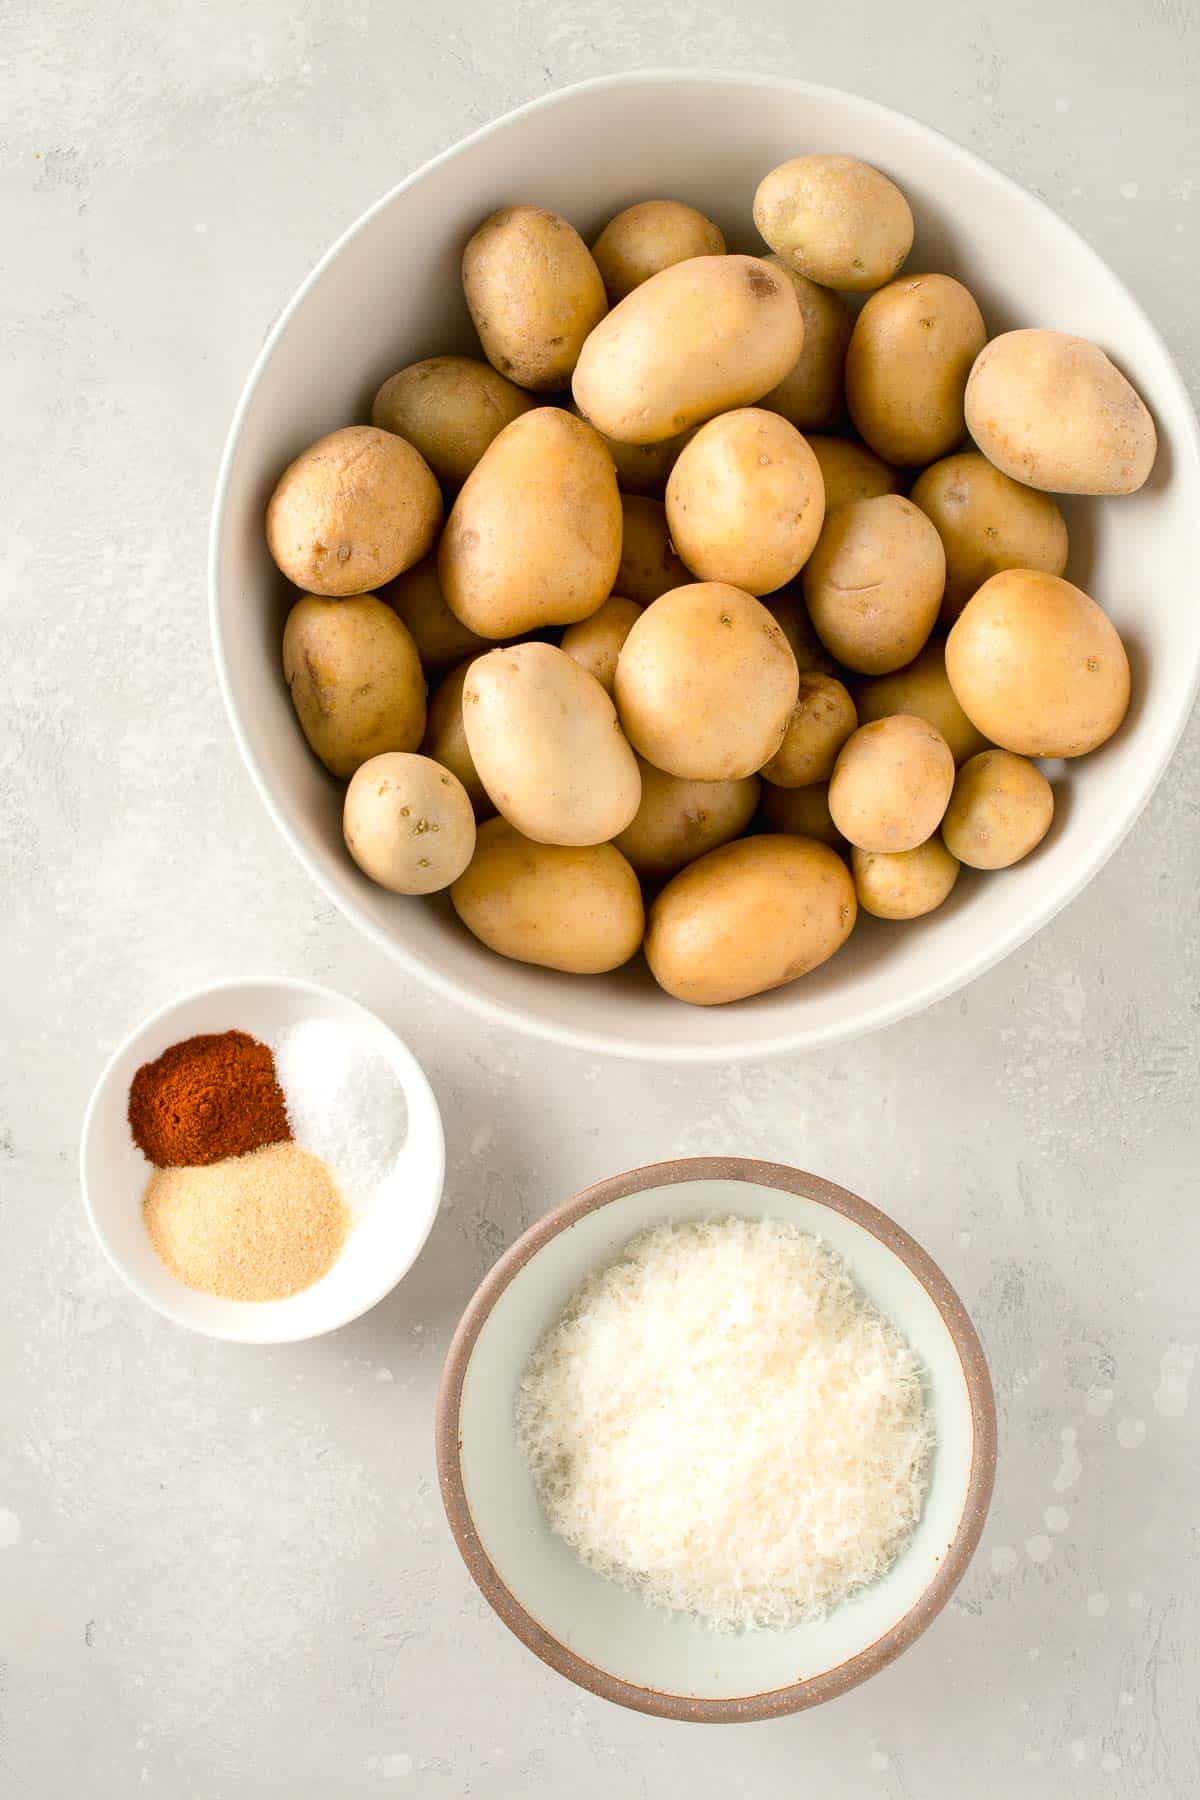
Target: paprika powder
<point x="206" y="1099"/>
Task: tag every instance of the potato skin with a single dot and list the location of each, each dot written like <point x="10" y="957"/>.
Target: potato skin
<point x="355" y="679"/>
<point x="595" y="643"/>
<point x="408" y="823"/>
<point x="641" y="468"/>
<point x="703" y="336"/>
<point x="800" y="812"/>
<point x="874" y="583"/>
<point x="706" y="683"/>
<point x="649" y="566"/>
<point x="534" y="537"/>
<point x="578" y="910"/>
<point x="1037" y="666"/>
<point x="354" y="510"/>
<point x="788" y="610"/>
<point x="745" y="501"/>
<point x="417" y="600"/>
<point x="748" y="917"/>
<point x="1052" y="411"/>
<point x="911" y="351"/>
<point x="851" y="472"/>
<point x="891" y="784"/>
<point x="649" y="237"/>
<point x="812" y="395"/>
<point x="1000" y="810"/>
<point x="822" y="719"/>
<point x="835" y="219"/>
<point x="445" y="737"/>
<point x="544" y="737"/>
<point x="987" y="522"/>
<point x="534" y="292"/>
<point x="449" y="408"/>
<point x="678" y="821"/>
<point x="923" y="689"/>
<point x="903" y="884"/>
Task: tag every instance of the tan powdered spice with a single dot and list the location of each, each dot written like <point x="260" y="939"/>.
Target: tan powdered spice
<point x="256" y="1227"/>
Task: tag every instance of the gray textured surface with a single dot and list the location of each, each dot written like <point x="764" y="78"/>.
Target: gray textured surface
<point x="224" y="1573"/>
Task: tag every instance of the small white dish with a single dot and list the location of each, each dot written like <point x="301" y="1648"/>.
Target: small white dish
<point x="383" y="1242"/>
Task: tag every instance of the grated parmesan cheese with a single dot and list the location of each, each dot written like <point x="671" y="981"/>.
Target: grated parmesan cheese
<point x="723" y="1422"/>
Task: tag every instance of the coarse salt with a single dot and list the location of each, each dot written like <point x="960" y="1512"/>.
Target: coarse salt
<point x="344" y="1103"/>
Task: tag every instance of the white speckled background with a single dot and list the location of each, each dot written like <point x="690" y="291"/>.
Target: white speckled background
<point x="224" y="1573"/>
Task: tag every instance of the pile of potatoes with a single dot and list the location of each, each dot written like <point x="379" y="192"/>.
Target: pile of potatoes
<point x="729" y="630"/>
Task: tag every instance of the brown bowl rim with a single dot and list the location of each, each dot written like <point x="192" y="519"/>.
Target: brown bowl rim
<point x="799" y="1695"/>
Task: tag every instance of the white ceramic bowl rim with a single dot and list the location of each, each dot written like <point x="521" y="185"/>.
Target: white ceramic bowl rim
<point x="1120" y="819"/>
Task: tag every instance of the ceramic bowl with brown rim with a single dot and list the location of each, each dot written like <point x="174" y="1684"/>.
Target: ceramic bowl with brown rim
<point x="598" y="1633"/>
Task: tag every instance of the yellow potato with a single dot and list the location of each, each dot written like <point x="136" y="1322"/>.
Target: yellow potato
<point x="649" y="566"/>
<point x="923" y="689"/>
<point x="1037" y="666"/>
<point x="748" y="917"/>
<point x="578" y="910"/>
<point x="355" y="679"/>
<point x="822" y="719"/>
<point x="642" y="468"/>
<point x="836" y="220"/>
<point x="678" y="821"/>
<point x="544" y="736"/>
<point x="693" y="341"/>
<point x="595" y="643"/>
<point x="851" y="471"/>
<point x="800" y="812"/>
<point x="706" y="683"/>
<point x="534" y="292"/>
<point x="1052" y="411"/>
<point x="903" y="884"/>
<point x="534" y="537"/>
<point x="445" y="738"/>
<point x="408" y="823"/>
<point x="745" y="501"/>
<point x="891" y="784"/>
<point x="449" y="408"/>
<point x="416" y="597"/>
<point x="811" y="395"/>
<point x="1000" y="810"/>
<point x="354" y="510"/>
<point x="788" y="610"/>
<point x="874" y="583"/>
<point x="649" y="237"/>
<point x="906" y="369"/>
<point x="987" y="522"/>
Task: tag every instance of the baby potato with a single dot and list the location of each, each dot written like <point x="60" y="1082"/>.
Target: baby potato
<point x="595" y="643"/>
<point x="1052" y="411"/>
<point x="678" y="821"/>
<point x="747" y="917"/>
<point x="533" y="292"/>
<point x="649" y="566"/>
<point x="575" y="909"/>
<point x="851" y="471"/>
<point x="836" y="220"/>
<point x="800" y="812"/>
<point x="706" y="683"/>
<point x="822" y="719"/>
<point x="534" y="537"/>
<point x="449" y="408"/>
<point x="649" y="237"/>
<point x="923" y="689"/>
<point x="355" y="679"/>
<point x="445" y="737"/>
<point x="408" y="823"/>
<point x="812" y="395"/>
<point x="910" y="353"/>
<point x="416" y="598"/>
<point x="874" y="583"/>
<point x="700" y="337"/>
<point x="745" y="501"/>
<point x="903" y="884"/>
<point x="1037" y="666"/>
<point x="788" y="610"/>
<point x="1000" y="810"/>
<point x="891" y="784"/>
<point x="544" y="736"/>
<point x="641" y="468"/>
<point x="354" y="510"/>
<point x="987" y="522"/>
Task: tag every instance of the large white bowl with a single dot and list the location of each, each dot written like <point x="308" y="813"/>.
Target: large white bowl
<point x="388" y="292"/>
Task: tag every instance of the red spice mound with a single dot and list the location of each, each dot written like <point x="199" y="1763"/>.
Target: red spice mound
<point x="205" y="1099"/>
